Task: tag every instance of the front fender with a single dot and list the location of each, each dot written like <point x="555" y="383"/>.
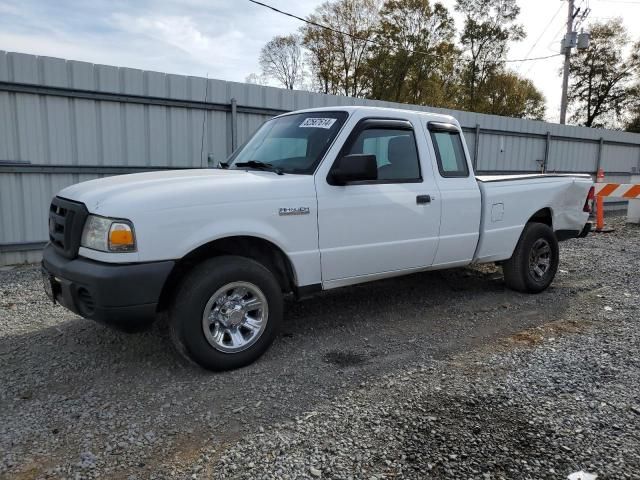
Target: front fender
<point x="173" y="234"/>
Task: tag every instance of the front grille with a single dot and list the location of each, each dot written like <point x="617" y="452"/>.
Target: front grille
<point x="66" y="221"/>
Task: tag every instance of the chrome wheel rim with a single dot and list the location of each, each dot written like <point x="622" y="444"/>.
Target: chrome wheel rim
<point x="540" y="259"/>
<point x="235" y="317"/>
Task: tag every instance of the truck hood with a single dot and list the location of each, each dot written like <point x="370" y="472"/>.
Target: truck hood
<point x="145" y="192"/>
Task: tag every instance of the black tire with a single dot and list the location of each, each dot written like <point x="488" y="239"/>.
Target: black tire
<point x="518" y="273"/>
<point x="187" y="310"/>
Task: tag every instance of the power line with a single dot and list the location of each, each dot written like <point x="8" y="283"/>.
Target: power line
<point x="367" y="40"/>
<point x="581" y="14"/>
<point x="625" y="2"/>
<point x="555" y="37"/>
<point x="545" y="30"/>
<point x="541" y="35"/>
<point x="533" y="59"/>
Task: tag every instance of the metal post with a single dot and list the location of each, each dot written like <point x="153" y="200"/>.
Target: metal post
<point x="476" y="147"/>
<point x="547" y="145"/>
<point x="599" y="160"/>
<point x="565" y="72"/>
<point x="234" y="124"/>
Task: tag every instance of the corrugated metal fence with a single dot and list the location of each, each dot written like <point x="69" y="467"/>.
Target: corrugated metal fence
<point x="63" y="122"/>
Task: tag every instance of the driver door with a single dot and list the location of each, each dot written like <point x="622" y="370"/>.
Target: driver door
<point x="375" y="228"/>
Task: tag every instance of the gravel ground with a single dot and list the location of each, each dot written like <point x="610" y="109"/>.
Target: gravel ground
<point x="436" y="375"/>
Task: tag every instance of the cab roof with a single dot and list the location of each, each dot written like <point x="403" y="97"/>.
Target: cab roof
<point x="435" y="117"/>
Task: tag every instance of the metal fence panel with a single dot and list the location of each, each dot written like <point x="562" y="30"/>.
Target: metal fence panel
<point x="510" y="153"/>
<point x="64" y="121"/>
<point x="618" y="158"/>
<point x="572" y="156"/>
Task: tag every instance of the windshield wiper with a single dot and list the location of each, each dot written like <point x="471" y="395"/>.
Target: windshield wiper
<point x="258" y="165"/>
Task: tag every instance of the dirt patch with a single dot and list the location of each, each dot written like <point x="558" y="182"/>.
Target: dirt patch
<point x="345" y="359"/>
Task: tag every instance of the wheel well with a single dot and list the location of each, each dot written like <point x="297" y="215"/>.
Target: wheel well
<point x="258" y="249"/>
<point x="542" y="216"/>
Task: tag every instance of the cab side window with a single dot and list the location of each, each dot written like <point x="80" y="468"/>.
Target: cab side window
<point x="395" y="151"/>
<point x="449" y="153"/>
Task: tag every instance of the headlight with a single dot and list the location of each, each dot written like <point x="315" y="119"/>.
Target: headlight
<point x="108" y="234"/>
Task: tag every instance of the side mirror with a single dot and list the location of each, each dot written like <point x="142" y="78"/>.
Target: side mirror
<point x="357" y="167"/>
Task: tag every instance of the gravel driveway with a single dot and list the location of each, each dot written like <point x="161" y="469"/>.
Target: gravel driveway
<point x="435" y="375"/>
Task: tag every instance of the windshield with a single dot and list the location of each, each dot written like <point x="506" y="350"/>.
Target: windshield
<point x="291" y="143"/>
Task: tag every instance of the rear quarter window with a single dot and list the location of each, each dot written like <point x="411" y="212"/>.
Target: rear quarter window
<point x="450" y="156"/>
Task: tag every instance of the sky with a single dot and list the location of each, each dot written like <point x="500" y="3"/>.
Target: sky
<point x="223" y="38"/>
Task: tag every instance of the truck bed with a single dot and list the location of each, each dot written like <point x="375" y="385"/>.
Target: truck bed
<point x="509" y="201"/>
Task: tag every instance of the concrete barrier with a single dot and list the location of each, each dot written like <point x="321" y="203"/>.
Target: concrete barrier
<point x="633" y="212"/>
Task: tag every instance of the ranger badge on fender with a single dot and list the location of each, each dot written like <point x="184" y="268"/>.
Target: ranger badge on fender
<point x="293" y="211"/>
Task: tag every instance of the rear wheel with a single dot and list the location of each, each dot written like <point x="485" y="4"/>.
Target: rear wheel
<point x="534" y="263"/>
<point x="226" y="313"/>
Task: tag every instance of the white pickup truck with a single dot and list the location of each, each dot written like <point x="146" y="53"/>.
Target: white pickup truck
<point x="316" y="199"/>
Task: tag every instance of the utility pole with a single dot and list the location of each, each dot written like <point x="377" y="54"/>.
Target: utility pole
<point x="567" y="44"/>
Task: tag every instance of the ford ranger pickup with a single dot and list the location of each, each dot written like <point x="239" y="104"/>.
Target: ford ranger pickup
<point x="316" y="199"/>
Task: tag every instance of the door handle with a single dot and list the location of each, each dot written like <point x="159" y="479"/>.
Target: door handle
<point x="422" y="199"/>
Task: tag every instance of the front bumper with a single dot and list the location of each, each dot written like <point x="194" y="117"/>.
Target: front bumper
<point x="122" y="295"/>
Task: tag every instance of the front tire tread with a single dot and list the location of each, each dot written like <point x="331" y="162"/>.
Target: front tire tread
<point x="185" y="315"/>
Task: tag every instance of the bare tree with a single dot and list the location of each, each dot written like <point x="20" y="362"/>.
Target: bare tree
<point x="281" y="59"/>
<point x="255" y="79"/>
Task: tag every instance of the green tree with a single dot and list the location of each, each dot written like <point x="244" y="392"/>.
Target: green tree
<point x="506" y="93"/>
<point x="489" y="26"/>
<point x="633" y="125"/>
<point x="417" y="61"/>
<point x="405" y="52"/>
<point x="337" y="61"/>
<point x="600" y="90"/>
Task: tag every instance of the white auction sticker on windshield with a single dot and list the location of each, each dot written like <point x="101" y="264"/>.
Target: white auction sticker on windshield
<point x="317" y="122"/>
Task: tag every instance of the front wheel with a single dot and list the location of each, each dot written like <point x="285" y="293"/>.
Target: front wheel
<point x="226" y="313"/>
<point x="534" y="263"/>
